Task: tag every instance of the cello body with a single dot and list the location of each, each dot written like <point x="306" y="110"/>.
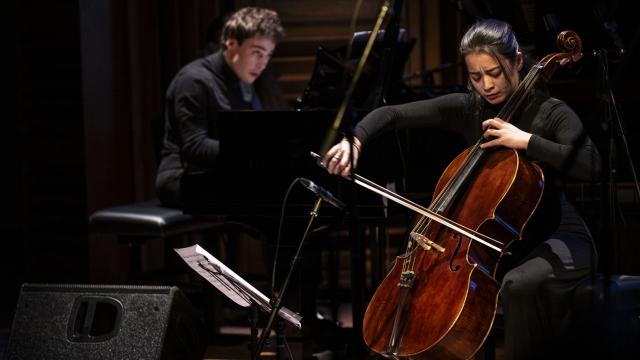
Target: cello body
<point x="451" y="304"/>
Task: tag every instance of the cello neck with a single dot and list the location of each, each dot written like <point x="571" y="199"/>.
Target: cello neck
<point x="521" y="92"/>
<point x="448" y="195"/>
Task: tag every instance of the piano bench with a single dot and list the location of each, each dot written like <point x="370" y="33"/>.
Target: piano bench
<point x="134" y="224"/>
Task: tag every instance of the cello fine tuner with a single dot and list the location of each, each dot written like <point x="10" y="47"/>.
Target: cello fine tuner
<point x="425" y="242"/>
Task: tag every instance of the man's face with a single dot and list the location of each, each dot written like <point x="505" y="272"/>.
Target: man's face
<point x="248" y="60"/>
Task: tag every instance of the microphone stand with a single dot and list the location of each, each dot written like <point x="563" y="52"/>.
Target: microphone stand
<point x="333" y="131"/>
<point x="389" y="45"/>
<point x="253" y="311"/>
<point x="329" y="140"/>
<point x="278" y="300"/>
<point x="613" y="124"/>
<point x="253" y="320"/>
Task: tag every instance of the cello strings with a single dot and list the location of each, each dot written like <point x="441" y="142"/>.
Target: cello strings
<point x="505" y="114"/>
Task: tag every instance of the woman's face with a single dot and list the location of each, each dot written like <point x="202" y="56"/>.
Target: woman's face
<point x="489" y="79"/>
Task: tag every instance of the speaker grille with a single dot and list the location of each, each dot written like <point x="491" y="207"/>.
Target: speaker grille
<point x="104" y="322"/>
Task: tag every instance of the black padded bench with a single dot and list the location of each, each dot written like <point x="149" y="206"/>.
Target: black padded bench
<point x="134" y="224"/>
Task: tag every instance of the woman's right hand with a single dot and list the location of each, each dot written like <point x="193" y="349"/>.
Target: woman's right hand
<point x="337" y="160"/>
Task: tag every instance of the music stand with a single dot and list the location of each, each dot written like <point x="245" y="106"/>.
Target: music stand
<point x="235" y="288"/>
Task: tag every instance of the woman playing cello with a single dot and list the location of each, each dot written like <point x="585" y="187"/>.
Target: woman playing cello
<point x="557" y="251"/>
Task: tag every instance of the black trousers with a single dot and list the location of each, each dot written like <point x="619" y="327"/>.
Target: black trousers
<point x="537" y="295"/>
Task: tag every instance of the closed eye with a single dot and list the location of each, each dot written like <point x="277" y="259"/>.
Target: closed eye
<point x="494" y="73"/>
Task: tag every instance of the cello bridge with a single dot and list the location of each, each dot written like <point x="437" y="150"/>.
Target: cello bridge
<point x="425" y="242"/>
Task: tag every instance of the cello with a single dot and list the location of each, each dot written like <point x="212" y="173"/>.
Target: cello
<point x="440" y="298"/>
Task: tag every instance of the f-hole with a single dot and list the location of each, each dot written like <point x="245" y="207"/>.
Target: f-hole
<point x="455" y="252"/>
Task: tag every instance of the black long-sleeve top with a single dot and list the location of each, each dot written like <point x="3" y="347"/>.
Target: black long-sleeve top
<point x="197" y="93"/>
<point x="201" y="89"/>
<point x="558" y="144"/>
<point x="557" y="130"/>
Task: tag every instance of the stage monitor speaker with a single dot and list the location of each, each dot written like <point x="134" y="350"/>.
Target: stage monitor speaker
<point x="105" y="322"/>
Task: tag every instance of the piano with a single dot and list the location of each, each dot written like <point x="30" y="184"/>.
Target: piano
<point x="261" y="154"/>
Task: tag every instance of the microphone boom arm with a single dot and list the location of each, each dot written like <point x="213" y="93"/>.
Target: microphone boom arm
<point x="333" y="131"/>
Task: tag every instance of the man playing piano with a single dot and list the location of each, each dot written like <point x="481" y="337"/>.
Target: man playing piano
<point x="230" y="79"/>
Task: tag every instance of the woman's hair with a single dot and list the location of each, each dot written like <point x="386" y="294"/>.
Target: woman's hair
<point x="493" y="37"/>
<point x="251" y="21"/>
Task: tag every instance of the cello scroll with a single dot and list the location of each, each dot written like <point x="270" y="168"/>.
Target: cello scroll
<point x="571" y="44"/>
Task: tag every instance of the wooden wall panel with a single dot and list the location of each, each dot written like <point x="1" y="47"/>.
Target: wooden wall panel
<point x="310" y="24"/>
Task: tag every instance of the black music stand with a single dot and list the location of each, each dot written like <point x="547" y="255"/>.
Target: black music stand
<point x="238" y="290"/>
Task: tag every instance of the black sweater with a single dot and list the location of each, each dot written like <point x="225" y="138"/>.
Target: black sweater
<point x="555" y="127"/>
<point x="558" y="144"/>
<point x="197" y="93"/>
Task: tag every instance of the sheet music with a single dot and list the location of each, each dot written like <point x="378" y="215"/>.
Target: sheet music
<point x="230" y="283"/>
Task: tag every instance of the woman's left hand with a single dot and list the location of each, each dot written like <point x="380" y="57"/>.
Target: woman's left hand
<point x="502" y="133"/>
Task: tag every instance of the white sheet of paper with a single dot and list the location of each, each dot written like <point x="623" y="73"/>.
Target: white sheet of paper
<point x="230" y="283"/>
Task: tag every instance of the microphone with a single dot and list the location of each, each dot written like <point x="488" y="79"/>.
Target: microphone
<point x="608" y="24"/>
<point x="611" y="28"/>
<point x="323" y="193"/>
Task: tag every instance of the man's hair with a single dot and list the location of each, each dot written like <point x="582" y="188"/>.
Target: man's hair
<point x="251" y="21"/>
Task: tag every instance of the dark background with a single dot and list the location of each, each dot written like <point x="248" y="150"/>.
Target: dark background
<point x="86" y="78"/>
